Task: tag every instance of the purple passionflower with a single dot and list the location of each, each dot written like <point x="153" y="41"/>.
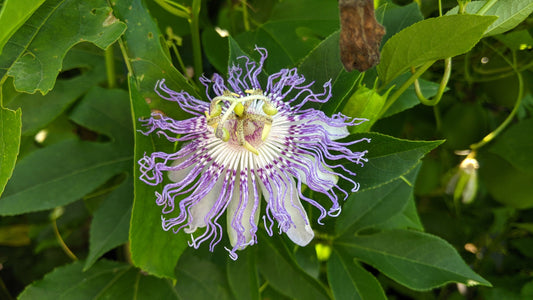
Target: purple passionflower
<point x="251" y="141"/>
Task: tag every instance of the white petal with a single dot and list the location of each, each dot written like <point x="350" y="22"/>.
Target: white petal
<point x="178" y="175"/>
<point x="334" y="132"/>
<point x="300" y="233"/>
<point x="199" y="210"/>
<point x="247" y="208"/>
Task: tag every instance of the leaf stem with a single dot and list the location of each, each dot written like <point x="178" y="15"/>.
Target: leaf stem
<point x="486" y="7"/>
<point x="110" y="67"/>
<point x="195" y="34"/>
<point x="404" y="86"/>
<point x="62" y="242"/>
<point x="126" y="57"/>
<point x="442" y="86"/>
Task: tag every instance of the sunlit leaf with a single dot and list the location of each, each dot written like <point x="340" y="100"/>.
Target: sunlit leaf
<point x="27" y="56"/>
<point x="10" y="127"/>
<point x="429" y="40"/>
<point x="14" y="13"/>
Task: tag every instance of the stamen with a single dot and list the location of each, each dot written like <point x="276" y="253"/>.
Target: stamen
<point x="239" y="109"/>
<point x="269" y="109"/>
<point x="250" y="148"/>
<point x="266" y="131"/>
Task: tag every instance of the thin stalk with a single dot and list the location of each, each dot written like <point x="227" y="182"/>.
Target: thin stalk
<point x="126" y="57"/>
<point x="404" y="87"/>
<point x="195" y="34"/>
<point x="442" y="86"/>
<point x="489" y="137"/>
<point x="4" y="288"/>
<point x="174" y="8"/>
<point x="483" y="10"/>
<point x="245" y="15"/>
<point x="62" y="242"/>
<point x="110" y="67"/>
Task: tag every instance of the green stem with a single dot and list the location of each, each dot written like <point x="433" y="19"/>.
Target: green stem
<point x="483" y="10"/>
<point x="174" y="8"/>
<point x="62" y="242"/>
<point x="404" y="86"/>
<point x="442" y="86"/>
<point x="195" y="33"/>
<point x="6" y="291"/>
<point x="126" y="57"/>
<point x="110" y="67"/>
<point x="489" y="137"/>
<point x="245" y="15"/>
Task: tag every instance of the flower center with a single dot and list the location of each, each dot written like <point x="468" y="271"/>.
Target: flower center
<point x="241" y="124"/>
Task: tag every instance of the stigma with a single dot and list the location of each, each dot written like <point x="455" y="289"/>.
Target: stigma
<point x="243" y="121"/>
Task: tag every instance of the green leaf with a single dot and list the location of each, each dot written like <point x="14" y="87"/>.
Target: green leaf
<point x="242" y="276"/>
<point x="323" y="64"/>
<point x="10" y="127"/>
<point x="417" y="260"/>
<point x="14" y="13"/>
<point x="376" y="205"/>
<point x="504" y="182"/>
<point x="216" y="49"/>
<point x="111" y="222"/>
<point x="515" y="145"/>
<point x="28" y="57"/>
<point x="510" y="13"/>
<point x="39" y="111"/>
<point x="199" y="279"/>
<point x="105" y="280"/>
<point x="349" y="280"/>
<point x="152" y="249"/>
<point x="66" y="171"/>
<point x="150" y="61"/>
<point x="430" y="40"/>
<point x="388" y="157"/>
<point x="278" y="267"/>
<point x="395" y="17"/>
<point x="407" y="219"/>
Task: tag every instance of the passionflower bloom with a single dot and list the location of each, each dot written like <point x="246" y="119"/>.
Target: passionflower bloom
<point x="250" y="141"/>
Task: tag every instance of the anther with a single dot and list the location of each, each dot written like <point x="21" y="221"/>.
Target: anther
<point x="266" y="131"/>
<point x="239" y="109"/>
<point x="250" y="148"/>
<point x="269" y="109"/>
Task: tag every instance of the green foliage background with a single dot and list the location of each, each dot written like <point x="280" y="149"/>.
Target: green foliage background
<point x="76" y="223"/>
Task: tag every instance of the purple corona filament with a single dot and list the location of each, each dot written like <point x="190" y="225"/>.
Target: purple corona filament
<point x="249" y="142"/>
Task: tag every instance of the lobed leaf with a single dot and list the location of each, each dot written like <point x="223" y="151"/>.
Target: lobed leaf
<point x="417" y="260"/>
<point x="376" y="205"/>
<point x="14" y="13"/>
<point x="278" y="267"/>
<point x="430" y="40"/>
<point x="388" y="157"/>
<point x="515" y="146"/>
<point x="152" y="249"/>
<point x="29" y="59"/>
<point x="349" y="280"/>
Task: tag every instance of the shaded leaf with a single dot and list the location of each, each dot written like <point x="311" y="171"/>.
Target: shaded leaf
<point x="152" y="249"/>
<point x="278" y="267"/>
<point x="66" y="171"/>
<point x="242" y="276"/>
<point x="388" y="157"/>
<point x="111" y="222"/>
<point x="349" y="280"/>
<point x="105" y="280"/>
<point x="417" y="260"/>
<point x="376" y="205"/>
<point x="14" y="13"/>
<point x="39" y="111"/>
<point x="10" y="127"/>
<point x="29" y="59"/>
<point x="429" y="40"/>
<point x="515" y="145"/>
<point x="199" y="279"/>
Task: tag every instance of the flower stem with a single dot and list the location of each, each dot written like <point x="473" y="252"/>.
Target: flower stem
<point x="195" y="34"/>
<point x="489" y="137"/>
<point x="245" y="15"/>
<point x="110" y="67"/>
<point x="404" y="87"/>
<point x="62" y="242"/>
<point x="126" y="57"/>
